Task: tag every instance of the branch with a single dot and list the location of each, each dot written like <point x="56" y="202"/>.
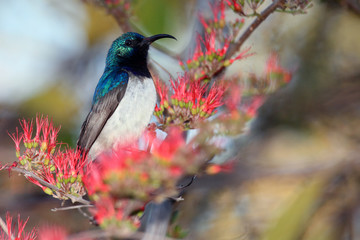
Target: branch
<point x="260" y="18"/>
<point x="119" y="14"/>
<point x="55" y="188"/>
<point x="71" y="207"/>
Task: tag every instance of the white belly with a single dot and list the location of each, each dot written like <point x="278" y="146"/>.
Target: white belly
<point x="130" y="117"/>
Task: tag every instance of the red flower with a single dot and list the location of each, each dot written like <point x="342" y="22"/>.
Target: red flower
<point x="234" y="97"/>
<point x="110" y="212"/>
<point x="163" y="91"/>
<point x="27" y="130"/>
<point x="69" y="164"/>
<point x="61" y="168"/>
<point x="252" y="108"/>
<point x="52" y="232"/>
<point x="273" y="67"/>
<point x="167" y="149"/>
<point x="234" y="5"/>
<point x="93" y="179"/>
<point x="203" y="22"/>
<point x="20" y="234"/>
<point x="216" y="8"/>
<point x="17" y="139"/>
<point x="214" y="98"/>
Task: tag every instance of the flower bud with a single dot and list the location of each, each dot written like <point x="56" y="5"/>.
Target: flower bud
<point x="48" y="191"/>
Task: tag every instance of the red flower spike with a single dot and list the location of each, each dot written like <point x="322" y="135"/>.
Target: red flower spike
<point x="162" y="90"/>
<point x="39" y="124"/>
<point x="166" y="150"/>
<point x="20" y="234"/>
<point x="17" y="139"/>
<point x="273" y="66"/>
<point x="93" y="179"/>
<point x="214" y="99"/>
<point x="203" y="22"/>
<point x="252" y="108"/>
<point x="27" y="130"/>
<point x="234" y="97"/>
<point x="222" y="13"/>
<point x="108" y="211"/>
<point x="216" y="8"/>
<point x="234" y="5"/>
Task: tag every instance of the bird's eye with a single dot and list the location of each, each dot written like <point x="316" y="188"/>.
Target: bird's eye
<point x="128" y="42"/>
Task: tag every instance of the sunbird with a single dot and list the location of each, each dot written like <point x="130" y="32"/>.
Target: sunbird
<point x="124" y="98"/>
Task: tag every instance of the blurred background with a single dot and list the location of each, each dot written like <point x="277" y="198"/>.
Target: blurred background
<point x="303" y="145"/>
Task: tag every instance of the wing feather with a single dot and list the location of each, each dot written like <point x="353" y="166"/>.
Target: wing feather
<point x="101" y="111"/>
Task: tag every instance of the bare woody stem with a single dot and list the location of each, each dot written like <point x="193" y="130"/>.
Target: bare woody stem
<point x="71" y="208"/>
<point x="259" y="19"/>
<point x="119" y="14"/>
<point x="44" y="183"/>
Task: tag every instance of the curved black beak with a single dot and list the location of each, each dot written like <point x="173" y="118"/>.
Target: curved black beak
<point x="149" y="40"/>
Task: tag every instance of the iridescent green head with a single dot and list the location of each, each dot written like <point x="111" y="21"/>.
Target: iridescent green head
<point x="130" y="51"/>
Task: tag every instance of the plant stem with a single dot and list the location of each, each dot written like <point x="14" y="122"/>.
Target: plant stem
<point x="236" y="47"/>
<point x="55" y="188"/>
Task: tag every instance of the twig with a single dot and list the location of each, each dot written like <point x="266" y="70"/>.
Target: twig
<point x="119" y="14"/>
<point x="71" y="207"/>
<point x="55" y="188"/>
<point x="236" y="47"/>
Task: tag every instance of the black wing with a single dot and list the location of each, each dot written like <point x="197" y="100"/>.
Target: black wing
<point x="100" y="112"/>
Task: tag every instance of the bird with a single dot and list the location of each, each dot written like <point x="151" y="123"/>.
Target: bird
<point x="124" y="98"/>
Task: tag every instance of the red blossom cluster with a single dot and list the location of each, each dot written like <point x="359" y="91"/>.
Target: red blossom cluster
<point x="110" y="212"/>
<point x="128" y="172"/>
<point x="17" y="231"/>
<point x="273" y="77"/>
<point x="236" y="6"/>
<point x="19" y="234"/>
<point x="275" y="72"/>
<point x="191" y="101"/>
<point x="210" y="50"/>
<point x="43" y="157"/>
<point x="121" y="182"/>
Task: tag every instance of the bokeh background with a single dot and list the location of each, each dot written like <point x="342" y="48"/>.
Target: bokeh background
<point x="297" y="170"/>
